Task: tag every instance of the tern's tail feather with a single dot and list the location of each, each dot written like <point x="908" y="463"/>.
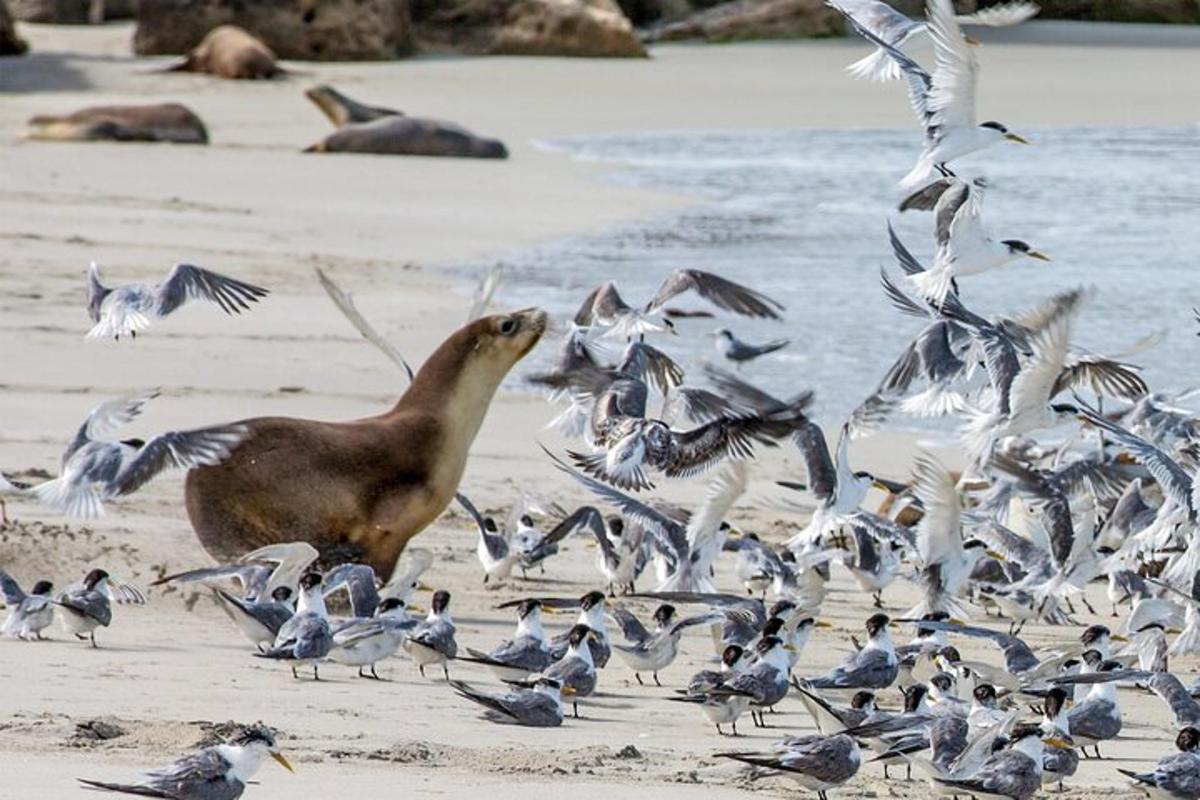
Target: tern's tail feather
<point x="878" y="66"/>
<point x="124" y="788"/>
<point x="920" y="175"/>
<point x="933" y="284"/>
<point x="7" y="485"/>
<point x="936" y="401"/>
<point x="81" y="502"/>
<point x="118" y="322"/>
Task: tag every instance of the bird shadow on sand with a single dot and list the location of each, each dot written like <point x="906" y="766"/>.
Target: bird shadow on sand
<point x="45" y="72"/>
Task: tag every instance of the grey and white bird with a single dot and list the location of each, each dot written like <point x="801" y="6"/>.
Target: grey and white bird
<point x="258" y="620"/>
<point x="125" y="310"/>
<point x="593" y="614"/>
<point x="1097" y="718"/>
<point x="1014" y="773"/>
<point x="903" y="32"/>
<point x="943" y="102"/>
<point x="538" y="706"/>
<point x="830" y="718"/>
<point x="83" y="607"/>
<point x="604" y="306"/>
<point x="306" y="638"/>
<point x="719" y="709"/>
<point x="818" y="763"/>
<point x="94" y="470"/>
<point x="765" y="682"/>
<point x="1058" y="763"/>
<point x="619" y="552"/>
<point x="651" y="652"/>
<point x="496" y="555"/>
<point x="525" y="654"/>
<point x="575" y="671"/>
<point x="364" y="642"/>
<point x="964" y="246"/>
<point x="1176" y="777"/>
<point x="875" y="666"/>
<point x="432" y="642"/>
<point x="28" y="614"/>
<point x="740" y="352"/>
<point x="219" y="772"/>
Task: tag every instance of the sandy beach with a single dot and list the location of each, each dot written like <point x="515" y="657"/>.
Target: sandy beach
<point x="252" y="205"/>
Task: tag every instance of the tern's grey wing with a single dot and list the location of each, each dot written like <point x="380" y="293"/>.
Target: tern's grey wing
<point x="533" y="709"/>
<point x="1174" y="480"/>
<point x="1013" y="546"/>
<point x="525" y="652"/>
<point x="957" y="197"/>
<point x="252" y="577"/>
<point x="822" y="475"/>
<point x="866" y="549"/>
<point x="88" y="603"/>
<point x="649" y="518"/>
<point x="1094" y="719"/>
<point x="865" y="669"/>
<point x="11" y="590"/>
<point x="603" y="302"/>
<point x="571" y="672"/>
<point x="886" y="22"/>
<point x="631" y="627"/>
<point x="201" y="776"/>
<point x="1008" y="773"/>
<point x="359" y="582"/>
<point x="652" y="365"/>
<point x="883" y="528"/>
<point x="187" y="282"/>
<point x="999" y="354"/>
<point x="313" y="637"/>
<point x="919" y="81"/>
<point x="1171" y="691"/>
<point x="1178" y="775"/>
<point x="744" y="394"/>
<point x="345" y="303"/>
<point x="179" y="449"/>
<point x="757" y="683"/>
<point x="907" y="261"/>
<point x="926" y="198"/>
<point x="1102" y="376"/>
<point x="720" y="291"/>
<point x="698" y="449"/>
<point x="105" y="418"/>
<point x="271" y="615"/>
<point x="698" y="405"/>
<point x="438" y="635"/>
<point x="830" y="760"/>
<point x="97" y="291"/>
<point x="1002" y="15"/>
<point x="947" y="740"/>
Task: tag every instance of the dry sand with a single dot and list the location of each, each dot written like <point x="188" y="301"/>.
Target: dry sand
<point x="251" y="205"/>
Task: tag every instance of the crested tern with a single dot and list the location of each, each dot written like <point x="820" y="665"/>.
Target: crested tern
<point x="538" y="706"/>
<point x="432" y="642"/>
<point x="29" y="614"/>
<point x="306" y="638"/>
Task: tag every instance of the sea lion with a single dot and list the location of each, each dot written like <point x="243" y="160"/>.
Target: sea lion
<point x="360" y="490"/>
<point x="228" y="51"/>
<point x="409" y="136"/>
<point x="343" y="110"/>
<point x="158" y="122"/>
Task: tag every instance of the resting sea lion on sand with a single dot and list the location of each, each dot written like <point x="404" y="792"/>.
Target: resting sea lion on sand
<point x="159" y="122"/>
<point x="409" y="136"/>
<point x="343" y="110"/>
<point x="358" y="491"/>
<point x="227" y="51"/>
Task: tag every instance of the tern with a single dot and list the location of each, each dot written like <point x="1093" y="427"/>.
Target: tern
<point x="306" y="638"/>
<point x="526" y="654"/>
<point x="127" y="309"/>
<point x="29" y="614"/>
<point x="432" y="642"/>
<point x="739" y="352"/>
<point x="85" y="606"/>
<point x="539" y="706"/>
<point x="818" y="763"/>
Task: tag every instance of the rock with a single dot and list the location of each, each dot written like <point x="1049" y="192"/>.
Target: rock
<point x="629" y="751"/>
<point x="1176" y="11"/>
<point x="754" y="19"/>
<point x="316" y="30"/>
<point x="588" y="28"/>
<point x="10" y="43"/>
<point x="97" y="730"/>
<point x="72" y="12"/>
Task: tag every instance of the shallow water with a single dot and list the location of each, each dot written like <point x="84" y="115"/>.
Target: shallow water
<point x="801" y="216"/>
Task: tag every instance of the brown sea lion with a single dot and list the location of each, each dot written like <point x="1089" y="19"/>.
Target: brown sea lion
<point x="343" y="110"/>
<point x="158" y="122"/>
<point x="227" y="51"/>
<point x="358" y="491"/>
<point x="409" y="136"/>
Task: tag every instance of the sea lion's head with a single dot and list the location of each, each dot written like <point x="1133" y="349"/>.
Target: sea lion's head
<point x="499" y="341"/>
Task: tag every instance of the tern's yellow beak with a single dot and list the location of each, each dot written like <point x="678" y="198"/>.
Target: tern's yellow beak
<point x="424" y="587"/>
<point x="548" y="610"/>
<point x="282" y="761"/>
<point x="1054" y="741"/>
<point x="995" y="555"/>
<point x="1015" y="137"/>
<point x="971" y="40"/>
<point x="790" y="648"/>
<point x="568" y="690"/>
<point x="1038" y="254"/>
<point x="822" y="624"/>
<point x="1116" y="637"/>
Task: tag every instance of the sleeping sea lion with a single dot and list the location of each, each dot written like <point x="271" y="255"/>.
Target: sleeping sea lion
<point x="358" y="491"/>
<point x="343" y="110"/>
<point x="409" y="136"/>
<point x="159" y="122"/>
<point x="227" y="51"/>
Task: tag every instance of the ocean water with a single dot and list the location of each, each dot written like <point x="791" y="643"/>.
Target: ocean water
<point x="801" y="216"/>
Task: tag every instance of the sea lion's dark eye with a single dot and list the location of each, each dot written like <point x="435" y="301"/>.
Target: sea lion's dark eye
<point x="508" y="327"/>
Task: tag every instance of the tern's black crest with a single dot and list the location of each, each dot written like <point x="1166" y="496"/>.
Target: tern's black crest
<point x="254" y="734"/>
<point x="1056" y="698"/>
<point x="664" y="614"/>
<point x="773" y="627"/>
<point x="310" y="580"/>
<point x="996" y="126"/>
<point x="950" y="653"/>
<point x="1093" y="634"/>
<point x="591" y="599"/>
<point x="441" y="601"/>
<point x="862" y="699"/>
<point x="1023" y="730"/>
<point x="913" y="696"/>
<point x="389" y="604"/>
<point x="281" y="594"/>
<point x="42" y="587"/>
<point x="768" y="643"/>
<point x="984" y="693"/>
<point x="942" y="681"/>
<point x="1188" y="740"/>
<point x="94" y="578"/>
<point x="527" y="607"/>
<point x="877" y="623"/>
<point x="731" y="655"/>
<point x="578" y="634"/>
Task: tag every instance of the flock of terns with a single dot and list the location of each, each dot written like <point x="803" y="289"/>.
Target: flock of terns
<point x="1036" y="515"/>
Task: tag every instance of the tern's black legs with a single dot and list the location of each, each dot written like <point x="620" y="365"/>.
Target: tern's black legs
<point x="638" y="675"/>
<point x="657" y="682"/>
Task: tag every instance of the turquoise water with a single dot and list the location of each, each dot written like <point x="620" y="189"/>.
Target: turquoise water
<point x="801" y="215"/>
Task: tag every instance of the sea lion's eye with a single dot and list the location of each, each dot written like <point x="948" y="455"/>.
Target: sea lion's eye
<point x="508" y="327"/>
